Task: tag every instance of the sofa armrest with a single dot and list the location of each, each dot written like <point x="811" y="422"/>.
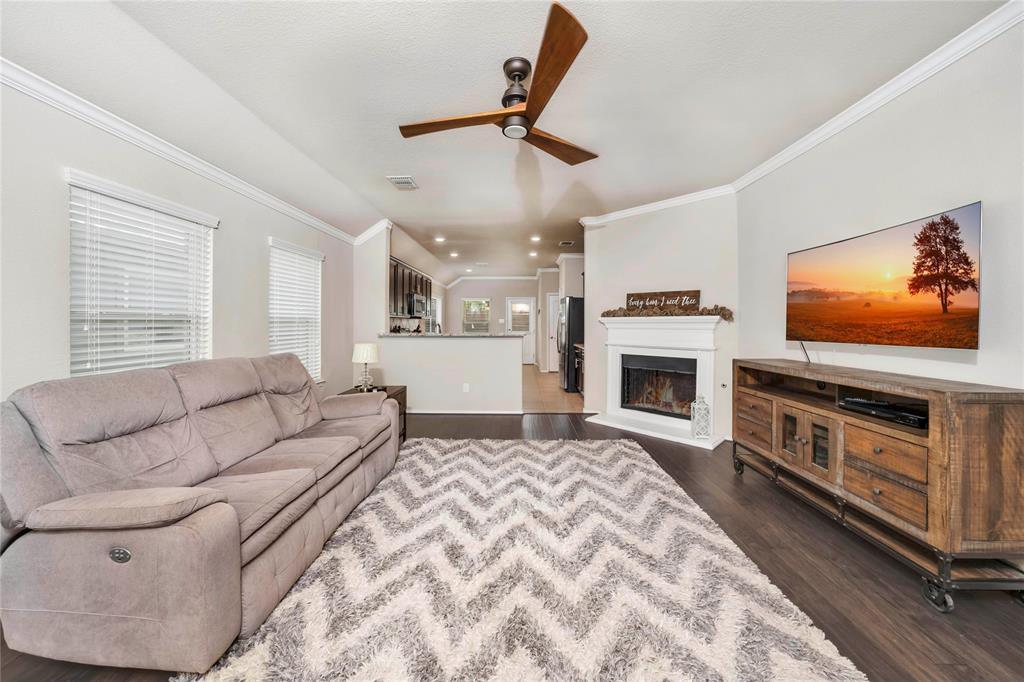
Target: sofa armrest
<point x="353" y="405"/>
<point x="168" y="599"/>
<point x="137" y="508"/>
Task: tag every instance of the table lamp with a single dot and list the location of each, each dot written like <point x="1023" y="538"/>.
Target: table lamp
<point x="365" y="353"/>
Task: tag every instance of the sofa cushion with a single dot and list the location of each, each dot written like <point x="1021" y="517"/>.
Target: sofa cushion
<point x="364" y="429"/>
<point x="329" y="458"/>
<point x="116" y="431"/>
<point x="27" y="478"/>
<point x="123" y="509"/>
<point x="257" y="498"/>
<point x="290" y="391"/>
<point x="350" y="405"/>
<point x="228" y="407"/>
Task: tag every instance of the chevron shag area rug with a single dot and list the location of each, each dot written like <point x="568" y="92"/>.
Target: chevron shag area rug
<point x="530" y="560"/>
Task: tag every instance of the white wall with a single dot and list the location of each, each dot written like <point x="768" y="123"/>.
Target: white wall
<point x="410" y="252"/>
<point x="686" y="247"/>
<point x="952" y="140"/>
<point x="435" y="370"/>
<point x="370" y="294"/>
<point x="547" y="283"/>
<point x="497" y="290"/>
<point x="38" y="143"/>
<point x="570" y="275"/>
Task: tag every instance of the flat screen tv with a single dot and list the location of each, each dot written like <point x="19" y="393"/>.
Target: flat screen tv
<point x="915" y="284"/>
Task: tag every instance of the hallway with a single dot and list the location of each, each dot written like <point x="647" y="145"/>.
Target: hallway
<point x="541" y="393"/>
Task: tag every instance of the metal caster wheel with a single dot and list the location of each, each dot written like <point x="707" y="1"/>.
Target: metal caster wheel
<point x="1019" y="597"/>
<point x="737" y="466"/>
<point x="938" y="598"/>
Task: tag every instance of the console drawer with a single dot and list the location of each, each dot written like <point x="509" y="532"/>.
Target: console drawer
<point x="753" y="432"/>
<point x="899" y="500"/>
<point x="754" y="409"/>
<point x="887" y="452"/>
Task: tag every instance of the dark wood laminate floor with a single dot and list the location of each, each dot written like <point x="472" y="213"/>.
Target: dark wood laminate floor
<point x="868" y="604"/>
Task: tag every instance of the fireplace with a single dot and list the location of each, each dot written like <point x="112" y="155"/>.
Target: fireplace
<point x="659" y="385"/>
<point x="655" y="368"/>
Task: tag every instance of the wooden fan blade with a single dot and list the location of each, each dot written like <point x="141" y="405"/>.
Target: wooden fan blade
<point x="558" y="148"/>
<point x="563" y="39"/>
<point x="439" y="124"/>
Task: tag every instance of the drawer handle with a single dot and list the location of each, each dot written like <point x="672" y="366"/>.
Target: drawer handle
<point x="751" y="433"/>
<point x="876" y="491"/>
<point x="877" y="450"/>
<point x="752" y="406"/>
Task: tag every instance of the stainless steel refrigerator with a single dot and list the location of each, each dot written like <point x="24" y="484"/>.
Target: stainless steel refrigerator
<point x="570" y="332"/>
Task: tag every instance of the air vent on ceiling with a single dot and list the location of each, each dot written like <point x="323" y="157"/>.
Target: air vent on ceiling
<point x="402" y="182"/>
<point x="565" y="244"/>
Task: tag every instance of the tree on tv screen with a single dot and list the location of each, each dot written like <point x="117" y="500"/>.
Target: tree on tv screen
<point x="941" y="264"/>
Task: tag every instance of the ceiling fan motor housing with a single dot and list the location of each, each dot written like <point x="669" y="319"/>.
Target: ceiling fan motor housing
<point x="515" y="126"/>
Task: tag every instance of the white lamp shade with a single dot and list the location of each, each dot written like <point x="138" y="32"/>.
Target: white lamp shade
<point x="364" y="352"/>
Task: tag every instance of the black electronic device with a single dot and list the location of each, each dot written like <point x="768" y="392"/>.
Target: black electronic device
<point x="908" y="415"/>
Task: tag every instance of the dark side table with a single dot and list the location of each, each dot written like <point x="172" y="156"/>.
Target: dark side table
<point x="396" y="392"/>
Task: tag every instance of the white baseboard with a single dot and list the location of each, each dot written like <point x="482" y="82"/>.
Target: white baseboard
<point x="411" y="411"/>
<point x="626" y="425"/>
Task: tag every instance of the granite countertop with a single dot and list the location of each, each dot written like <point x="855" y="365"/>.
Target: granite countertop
<point x="455" y="336"/>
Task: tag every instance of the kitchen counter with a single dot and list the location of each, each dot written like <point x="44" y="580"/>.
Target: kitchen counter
<point x="482" y="374"/>
<point x="453" y="336"/>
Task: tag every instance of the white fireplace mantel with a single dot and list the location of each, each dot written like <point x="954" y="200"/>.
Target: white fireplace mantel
<point x="678" y="337"/>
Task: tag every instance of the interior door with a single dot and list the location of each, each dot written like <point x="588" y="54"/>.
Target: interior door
<point x="552" y="331"/>
<point x="519" y="319"/>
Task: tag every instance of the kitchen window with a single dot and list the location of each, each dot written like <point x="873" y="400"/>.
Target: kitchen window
<point x="476" y="315"/>
<point x="140" y="276"/>
<point x="295" y="274"/>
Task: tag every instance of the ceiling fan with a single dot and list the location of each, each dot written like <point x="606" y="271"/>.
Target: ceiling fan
<point x="563" y="39"/>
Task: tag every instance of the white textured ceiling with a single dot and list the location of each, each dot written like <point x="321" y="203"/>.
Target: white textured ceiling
<point x="674" y="96"/>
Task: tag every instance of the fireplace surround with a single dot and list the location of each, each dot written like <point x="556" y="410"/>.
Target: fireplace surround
<point x="659" y="385"/>
<point x="655" y="367"/>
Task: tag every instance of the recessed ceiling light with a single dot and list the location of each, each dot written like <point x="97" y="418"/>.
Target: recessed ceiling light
<point x="533" y="254"/>
<point x="482" y="264"/>
<point x="439" y="240"/>
<point x="454" y="254"/>
<point x="469" y="269"/>
<point x="535" y="238"/>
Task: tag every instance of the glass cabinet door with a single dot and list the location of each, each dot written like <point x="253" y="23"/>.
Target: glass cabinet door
<point x="790" y="442"/>
<point x="821" y="450"/>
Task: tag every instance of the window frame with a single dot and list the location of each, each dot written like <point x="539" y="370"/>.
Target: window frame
<point x="109" y="225"/>
<point x="463" y="316"/>
<point x="290" y="250"/>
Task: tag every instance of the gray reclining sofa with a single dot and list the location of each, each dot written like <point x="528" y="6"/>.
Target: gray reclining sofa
<point x="152" y="516"/>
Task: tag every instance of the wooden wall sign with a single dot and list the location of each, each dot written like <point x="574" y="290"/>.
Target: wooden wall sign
<point x="687" y="300"/>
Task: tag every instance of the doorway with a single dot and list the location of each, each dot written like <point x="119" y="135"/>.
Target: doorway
<point x="519" y="320"/>
<point x="552" y="330"/>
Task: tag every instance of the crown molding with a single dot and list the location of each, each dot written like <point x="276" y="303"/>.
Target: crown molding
<point x="1002" y="19"/>
<point x="474" y="277"/>
<point x="595" y="221"/>
<point x="540" y="270"/>
<point x="39" y="88"/>
<point x="567" y="256"/>
<point x="991" y="26"/>
<point x="382" y="225"/>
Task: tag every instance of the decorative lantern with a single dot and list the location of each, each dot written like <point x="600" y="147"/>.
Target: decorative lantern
<point x="700" y="418"/>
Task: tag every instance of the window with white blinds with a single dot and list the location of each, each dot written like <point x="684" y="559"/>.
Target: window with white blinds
<point x="295" y="303"/>
<point x="140" y="286"/>
<point x="476" y="315"/>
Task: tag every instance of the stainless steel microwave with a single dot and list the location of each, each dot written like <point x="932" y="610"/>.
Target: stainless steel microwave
<point x="417" y="305"/>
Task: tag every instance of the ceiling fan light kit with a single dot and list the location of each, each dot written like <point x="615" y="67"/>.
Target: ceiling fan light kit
<point x="563" y="39"/>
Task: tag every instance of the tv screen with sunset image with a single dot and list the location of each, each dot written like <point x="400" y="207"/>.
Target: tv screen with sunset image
<point x="915" y="284"/>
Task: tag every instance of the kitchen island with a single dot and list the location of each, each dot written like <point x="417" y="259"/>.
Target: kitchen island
<point x="456" y="373"/>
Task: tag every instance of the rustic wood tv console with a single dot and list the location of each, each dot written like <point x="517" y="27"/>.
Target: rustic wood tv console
<point x="947" y="500"/>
